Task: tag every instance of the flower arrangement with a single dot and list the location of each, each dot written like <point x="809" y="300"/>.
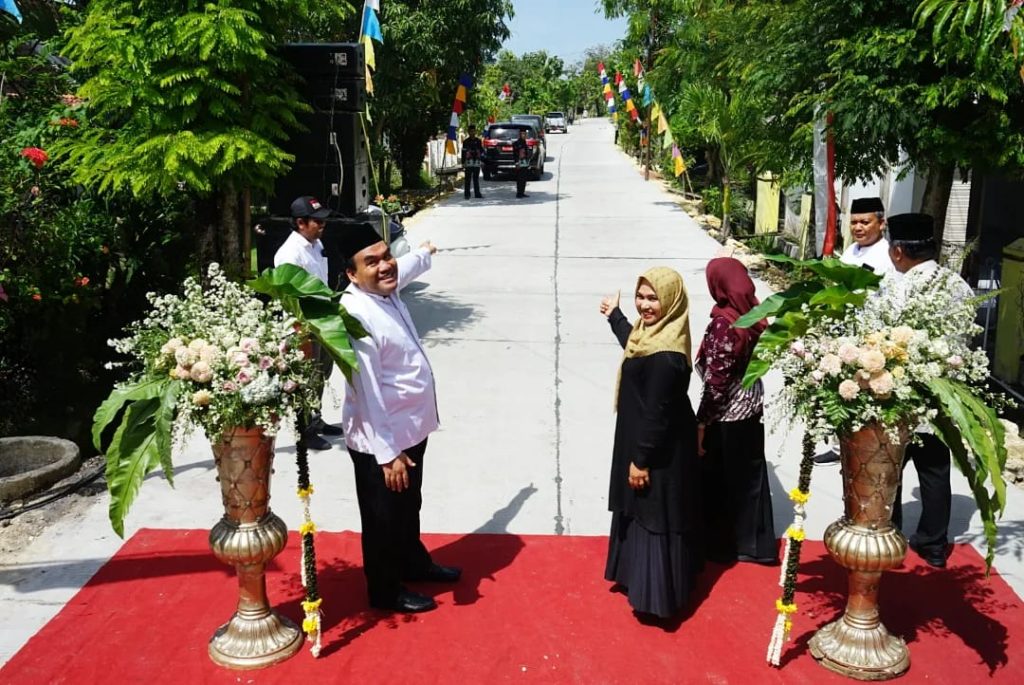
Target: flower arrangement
<point x="213" y="357"/>
<point x="849" y="360"/>
<point x="389" y="204"/>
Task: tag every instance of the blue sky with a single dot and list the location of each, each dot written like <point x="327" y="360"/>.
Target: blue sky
<point x="562" y="27"/>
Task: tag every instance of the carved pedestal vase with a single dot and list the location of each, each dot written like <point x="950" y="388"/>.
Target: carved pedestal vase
<point x="865" y="542"/>
<point x="247" y="537"/>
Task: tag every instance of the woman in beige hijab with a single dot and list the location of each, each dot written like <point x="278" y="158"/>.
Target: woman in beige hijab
<point x="653" y="550"/>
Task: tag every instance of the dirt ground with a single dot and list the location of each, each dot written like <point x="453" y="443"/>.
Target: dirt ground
<point x="17" y="532"/>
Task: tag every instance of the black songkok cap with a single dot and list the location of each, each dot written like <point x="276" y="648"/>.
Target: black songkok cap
<point x="352" y="238"/>
<point x="867" y="205"/>
<point x="916" y="227"/>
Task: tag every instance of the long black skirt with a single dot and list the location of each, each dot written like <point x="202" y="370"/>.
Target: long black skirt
<point x="738" y="520"/>
<point x="658" y="570"/>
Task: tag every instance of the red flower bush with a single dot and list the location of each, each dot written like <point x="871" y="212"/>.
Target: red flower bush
<point x="35" y="155"/>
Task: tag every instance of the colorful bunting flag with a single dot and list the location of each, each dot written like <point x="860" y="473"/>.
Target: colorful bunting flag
<point x="458" y="107"/>
<point x="618" y="79"/>
<point x="655" y="112"/>
<point x="637" y="68"/>
<point x="662" y="120"/>
<point x="646" y="99"/>
<point x="505" y="93"/>
<point x="369" y="31"/>
<point x="677" y="160"/>
<point x="668" y="141"/>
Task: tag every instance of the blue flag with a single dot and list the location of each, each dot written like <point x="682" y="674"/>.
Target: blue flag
<point x="11" y="9"/>
<point x="647" y="96"/>
<point x="371" y="25"/>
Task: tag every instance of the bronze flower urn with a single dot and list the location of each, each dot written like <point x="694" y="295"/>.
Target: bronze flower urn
<point x="247" y="537"/>
<point x="865" y="543"/>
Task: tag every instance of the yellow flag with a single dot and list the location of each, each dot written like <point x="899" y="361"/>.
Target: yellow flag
<point x="656" y="113"/>
<point x="680" y="165"/>
<point x="371" y="57"/>
<point x="460" y="94"/>
<point x="369" y="81"/>
<point x="662" y="122"/>
<point x="449" y="147"/>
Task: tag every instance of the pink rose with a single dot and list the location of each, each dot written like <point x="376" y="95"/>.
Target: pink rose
<point x="230" y="386"/>
<point x="244" y="377"/>
<point x="290" y="386"/>
<point x="266" y="363"/>
<point x="848" y="390"/>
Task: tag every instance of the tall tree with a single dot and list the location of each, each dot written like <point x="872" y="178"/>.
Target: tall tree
<point x="187" y="96"/>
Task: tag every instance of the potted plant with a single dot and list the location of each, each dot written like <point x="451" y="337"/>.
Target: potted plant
<point x="220" y="359"/>
<point x="870" y="372"/>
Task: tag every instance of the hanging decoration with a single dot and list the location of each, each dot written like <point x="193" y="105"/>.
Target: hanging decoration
<point x="11" y="8"/>
<point x="679" y="166"/>
<point x="311" y="625"/>
<point x="785" y="606"/>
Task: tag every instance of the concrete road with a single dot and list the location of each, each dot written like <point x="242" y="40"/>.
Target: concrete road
<point x="525" y="367"/>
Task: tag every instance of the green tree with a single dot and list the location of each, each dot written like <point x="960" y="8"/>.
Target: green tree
<point x="187" y="97"/>
<point x="428" y="44"/>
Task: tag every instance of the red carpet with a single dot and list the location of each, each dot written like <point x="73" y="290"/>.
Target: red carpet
<point x="529" y="609"/>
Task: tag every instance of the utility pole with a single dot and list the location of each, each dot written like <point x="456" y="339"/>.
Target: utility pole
<point x="650" y="50"/>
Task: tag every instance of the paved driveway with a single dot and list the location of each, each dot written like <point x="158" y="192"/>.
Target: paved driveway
<point x="525" y="367"/>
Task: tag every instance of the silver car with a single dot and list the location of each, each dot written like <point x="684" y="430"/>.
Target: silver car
<point x="555" y="121"/>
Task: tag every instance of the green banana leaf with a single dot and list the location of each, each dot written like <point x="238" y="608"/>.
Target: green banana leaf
<point x="963" y="418"/>
<point x="141" y="443"/>
<point x="111" y="407"/>
<point x="312" y="302"/>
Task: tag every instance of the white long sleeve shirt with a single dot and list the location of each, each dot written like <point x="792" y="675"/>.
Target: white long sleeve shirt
<point x="302" y="253"/>
<point x="391" y="403"/>
<point x="875" y="256"/>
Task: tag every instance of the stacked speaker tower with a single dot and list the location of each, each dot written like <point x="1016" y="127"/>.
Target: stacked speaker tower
<point x="331" y="160"/>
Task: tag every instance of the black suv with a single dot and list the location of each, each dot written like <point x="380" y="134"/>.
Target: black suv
<point x="498" y="139"/>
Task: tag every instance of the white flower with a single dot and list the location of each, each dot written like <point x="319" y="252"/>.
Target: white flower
<point x="871" y="361"/>
<point x="240" y="359"/>
<point x="186" y="356"/>
<point x="263" y="389"/>
<point x="940" y="348"/>
<point x="902" y="335"/>
<point x="881" y="384"/>
<point x="201" y="398"/>
<point x="210" y="354"/>
<point x="849" y="353"/>
<point x="197" y="345"/>
<point x="831" y="364"/>
<point x="181" y="373"/>
<point x="171" y="346"/>
<point x="817" y="376"/>
<point x="797" y="348"/>
<point x="848" y="390"/>
<point x="201" y="372"/>
<point x="249" y="344"/>
<point x="956" y="361"/>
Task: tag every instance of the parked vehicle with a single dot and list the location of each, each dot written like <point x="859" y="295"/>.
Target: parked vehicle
<point x="537" y="122"/>
<point x="498" y="139"/>
<point x="555" y="121"/>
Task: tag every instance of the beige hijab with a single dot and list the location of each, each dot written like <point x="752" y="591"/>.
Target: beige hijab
<point x="671" y="333"/>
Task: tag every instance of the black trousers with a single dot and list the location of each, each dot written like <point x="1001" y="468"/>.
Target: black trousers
<point x="522" y="175"/>
<point x="392" y="549"/>
<point x="738" y="518"/>
<point x="932" y="461"/>
<point x="474" y="174"/>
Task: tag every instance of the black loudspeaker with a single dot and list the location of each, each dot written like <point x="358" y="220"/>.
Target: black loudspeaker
<point x="331" y="161"/>
<point x="323" y="60"/>
<point x="271" y="233"/>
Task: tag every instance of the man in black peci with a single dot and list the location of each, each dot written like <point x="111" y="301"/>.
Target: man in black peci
<point x="521" y="154"/>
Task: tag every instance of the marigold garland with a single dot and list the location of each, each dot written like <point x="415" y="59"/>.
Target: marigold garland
<point x="311" y="605"/>
<point x="795" y="535"/>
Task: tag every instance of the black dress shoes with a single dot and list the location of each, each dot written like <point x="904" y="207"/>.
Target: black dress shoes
<point x="315" y="442"/>
<point x="406" y="602"/>
<point x="436" y="573"/>
<point x="932" y="556"/>
<point x="330" y="429"/>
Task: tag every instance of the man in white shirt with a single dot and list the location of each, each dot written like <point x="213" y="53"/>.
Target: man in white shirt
<point x="304" y="249"/>
<point x="867" y="225"/>
<point x="390" y="410"/>
<point x="870" y="249"/>
<point x="914" y="251"/>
